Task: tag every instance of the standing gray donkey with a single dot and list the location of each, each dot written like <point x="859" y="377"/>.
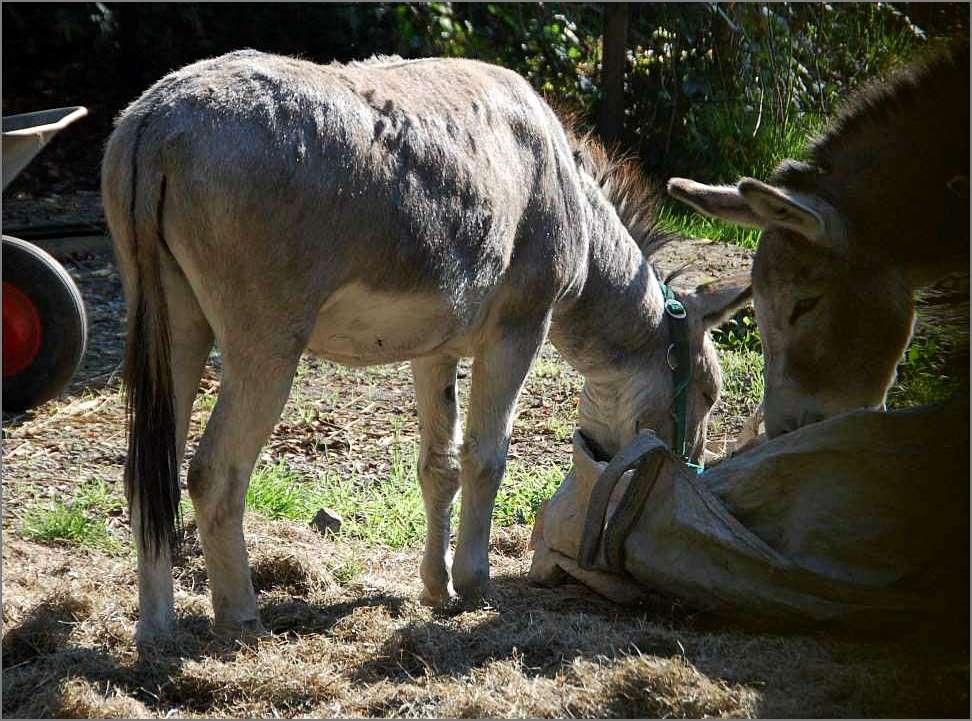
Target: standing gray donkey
<point x="372" y="213"/>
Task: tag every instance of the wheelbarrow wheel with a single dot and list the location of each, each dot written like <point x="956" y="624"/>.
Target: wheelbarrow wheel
<point x="45" y="328"/>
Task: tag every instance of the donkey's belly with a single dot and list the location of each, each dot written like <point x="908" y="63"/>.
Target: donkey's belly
<point x="361" y="326"/>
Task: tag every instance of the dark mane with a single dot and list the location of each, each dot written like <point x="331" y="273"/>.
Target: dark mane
<point x="635" y="198"/>
<point x="937" y="83"/>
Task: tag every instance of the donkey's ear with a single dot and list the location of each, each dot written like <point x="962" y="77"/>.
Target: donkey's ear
<point x="714" y="303"/>
<point x="716" y="201"/>
<point x="778" y="207"/>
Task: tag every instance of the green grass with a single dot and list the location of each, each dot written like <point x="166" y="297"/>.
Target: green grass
<point x="739" y="333"/>
<point x="549" y="368"/>
<point x="523" y="490"/>
<point x="741" y="154"/>
<point x="741" y="358"/>
<point x="98" y="496"/>
<point x="388" y="513"/>
<point x="206" y="402"/>
<point x="677" y="218"/>
<point x="276" y="491"/>
<point x="924" y="375"/>
<point x="79" y="521"/>
<point x="346" y="572"/>
<point x="562" y="429"/>
<point x="742" y="381"/>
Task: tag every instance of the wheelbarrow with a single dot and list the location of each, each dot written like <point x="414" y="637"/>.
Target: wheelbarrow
<point x="45" y="328"/>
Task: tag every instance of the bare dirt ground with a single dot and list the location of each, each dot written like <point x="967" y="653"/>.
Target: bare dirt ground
<point x="358" y="644"/>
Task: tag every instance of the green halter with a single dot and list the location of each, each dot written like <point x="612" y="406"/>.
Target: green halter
<point x="680" y="362"/>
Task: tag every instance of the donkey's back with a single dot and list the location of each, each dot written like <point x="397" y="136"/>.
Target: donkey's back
<point x="411" y="179"/>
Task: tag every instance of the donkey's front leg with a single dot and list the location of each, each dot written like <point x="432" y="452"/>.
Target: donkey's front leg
<point x="438" y="471"/>
<point x="497" y="377"/>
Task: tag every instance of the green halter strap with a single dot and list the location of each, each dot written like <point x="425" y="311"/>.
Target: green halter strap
<point x="680" y="363"/>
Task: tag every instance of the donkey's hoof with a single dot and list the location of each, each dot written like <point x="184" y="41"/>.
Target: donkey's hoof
<point x="149" y="632"/>
<point x="248" y="630"/>
<point x="438" y="599"/>
<point x="482" y="598"/>
<point x="471" y="581"/>
<point x="475" y="591"/>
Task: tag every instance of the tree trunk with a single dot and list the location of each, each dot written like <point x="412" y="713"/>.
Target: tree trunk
<point x="610" y="122"/>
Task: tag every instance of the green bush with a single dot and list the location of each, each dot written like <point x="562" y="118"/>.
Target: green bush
<point x="713" y="90"/>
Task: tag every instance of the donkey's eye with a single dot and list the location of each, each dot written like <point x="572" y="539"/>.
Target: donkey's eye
<point x="804" y="305"/>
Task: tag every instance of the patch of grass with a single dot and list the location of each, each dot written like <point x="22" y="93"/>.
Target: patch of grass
<point x="277" y="491"/>
<point x="742" y="381"/>
<point x="206" y="402"/>
<point x="99" y="496"/>
<point x="346" y="572"/>
<point x="522" y="491"/>
<point x="79" y="521"/>
<point x="389" y="513"/>
<point x="549" y="368"/>
<point x="64" y="523"/>
<point x="924" y="376"/>
<point x="562" y="428"/>
<point x="739" y="333"/>
<point x="677" y="218"/>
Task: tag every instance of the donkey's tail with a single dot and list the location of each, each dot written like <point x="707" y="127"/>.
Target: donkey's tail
<point x="133" y="189"/>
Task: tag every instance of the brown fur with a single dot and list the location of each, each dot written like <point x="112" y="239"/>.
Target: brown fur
<point x="879" y="210"/>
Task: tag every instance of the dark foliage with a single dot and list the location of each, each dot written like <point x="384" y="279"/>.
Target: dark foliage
<point x="711" y="90"/>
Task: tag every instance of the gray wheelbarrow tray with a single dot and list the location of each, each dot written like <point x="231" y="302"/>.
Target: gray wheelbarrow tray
<point x="26" y="134"/>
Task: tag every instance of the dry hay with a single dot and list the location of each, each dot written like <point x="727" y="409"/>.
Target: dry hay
<point x="365" y="647"/>
<point x="348" y="637"/>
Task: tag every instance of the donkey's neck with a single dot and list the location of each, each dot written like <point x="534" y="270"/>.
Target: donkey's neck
<point x="612" y="332"/>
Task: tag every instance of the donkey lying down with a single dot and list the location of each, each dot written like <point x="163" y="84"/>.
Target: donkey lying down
<point x="373" y="213"/>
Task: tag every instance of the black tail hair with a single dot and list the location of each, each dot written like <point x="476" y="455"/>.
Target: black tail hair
<point x="152" y="468"/>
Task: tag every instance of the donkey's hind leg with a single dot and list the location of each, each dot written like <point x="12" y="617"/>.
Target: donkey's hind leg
<point x="498" y="374"/>
<point x="438" y="472"/>
<point x="190" y="342"/>
<point x="254" y="388"/>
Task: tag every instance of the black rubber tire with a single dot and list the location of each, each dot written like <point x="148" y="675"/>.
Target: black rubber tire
<point x="63" y="320"/>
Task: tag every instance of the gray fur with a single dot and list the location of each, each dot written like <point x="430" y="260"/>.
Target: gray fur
<point x="377" y="212"/>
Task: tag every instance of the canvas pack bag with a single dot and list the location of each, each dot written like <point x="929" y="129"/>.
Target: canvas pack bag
<point x="859" y="519"/>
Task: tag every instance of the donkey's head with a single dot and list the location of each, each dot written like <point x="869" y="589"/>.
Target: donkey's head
<point x="834" y="322"/>
<point x="878" y="208"/>
<point x="670" y="381"/>
<point x="664" y="375"/>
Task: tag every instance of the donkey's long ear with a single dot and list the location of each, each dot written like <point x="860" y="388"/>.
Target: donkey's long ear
<point x="714" y="303"/>
<point x="716" y="201"/>
<point x="779" y="207"/>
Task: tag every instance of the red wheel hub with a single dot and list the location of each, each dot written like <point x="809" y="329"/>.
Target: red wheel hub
<point x="21" y="330"/>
